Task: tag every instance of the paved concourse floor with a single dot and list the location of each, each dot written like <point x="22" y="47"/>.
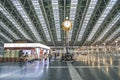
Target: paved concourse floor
<point x="94" y="68"/>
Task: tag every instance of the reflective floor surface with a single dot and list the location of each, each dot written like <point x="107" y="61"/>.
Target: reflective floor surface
<point x="87" y="68"/>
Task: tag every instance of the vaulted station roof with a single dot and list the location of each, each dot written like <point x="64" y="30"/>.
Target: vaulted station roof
<point x="94" y="21"/>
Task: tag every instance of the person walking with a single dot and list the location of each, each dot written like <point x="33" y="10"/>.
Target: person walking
<point x="45" y="59"/>
<point x="50" y="57"/>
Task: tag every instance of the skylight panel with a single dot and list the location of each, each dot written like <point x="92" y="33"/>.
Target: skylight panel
<point x="24" y="15"/>
<point x="87" y="18"/>
<point x="115" y="33"/>
<point x="72" y="16"/>
<point x="6" y="37"/>
<point x="9" y="30"/>
<point x="10" y="18"/>
<point x="111" y="24"/>
<point x="1" y="41"/>
<point x="56" y="18"/>
<point x="41" y="18"/>
<point x="102" y="18"/>
<point x="118" y="39"/>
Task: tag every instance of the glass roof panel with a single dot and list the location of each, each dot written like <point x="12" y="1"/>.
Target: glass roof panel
<point x="38" y="10"/>
<point x="87" y="18"/>
<point x="109" y="27"/>
<point x="26" y="18"/>
<point x="6" y="37"/>
<point x="118" y="39"/>
<point x="9" y="30"/>
<point x="113" y="34"/>
<point x="56" y="18"/>
<point x="102" y="18"/>
<point x="6" y="13"/>
<point x="73" y="9"/>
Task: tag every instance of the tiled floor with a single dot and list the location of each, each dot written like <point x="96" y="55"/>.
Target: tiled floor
<point x="88" y="69"/>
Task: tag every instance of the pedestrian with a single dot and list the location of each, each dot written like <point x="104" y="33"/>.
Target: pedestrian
<point x="50" y="57"/>
<point x="45" y="59"/>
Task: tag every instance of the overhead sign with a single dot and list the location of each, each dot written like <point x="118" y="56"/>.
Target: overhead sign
<point x="21" y="45"/>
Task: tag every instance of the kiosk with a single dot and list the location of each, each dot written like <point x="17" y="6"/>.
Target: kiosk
<point x="33" y="50"/>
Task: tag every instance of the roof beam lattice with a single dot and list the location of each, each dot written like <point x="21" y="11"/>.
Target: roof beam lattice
<point x="6" y="37"/>
<point x="117" y="31"/>
<point x="39" y="13"/>
<point x="56" y="18"/>
<point x="87" y="18"/>
<point x="12" y="20"/>
<point x="9" y="30"/>
<point x="73" y="9"/>
<point x="111" y="24"/>
<point x="25" y="17"/>
<point x="102" y="18"/>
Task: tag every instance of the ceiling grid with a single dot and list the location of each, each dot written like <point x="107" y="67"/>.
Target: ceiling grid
<point x="94" y="21"/>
